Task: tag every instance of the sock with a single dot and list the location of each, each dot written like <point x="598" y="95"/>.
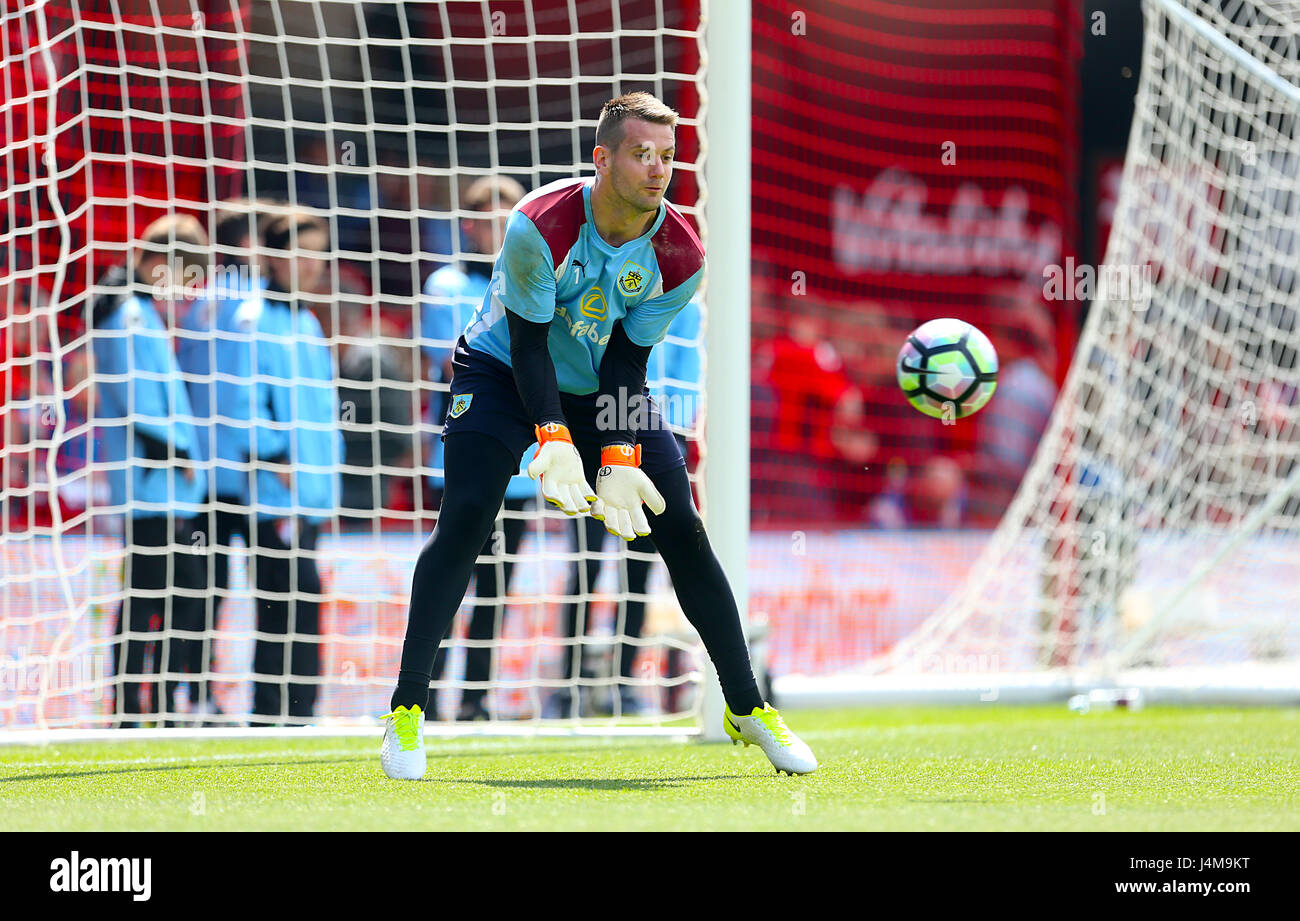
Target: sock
<point x="409" y="694"/>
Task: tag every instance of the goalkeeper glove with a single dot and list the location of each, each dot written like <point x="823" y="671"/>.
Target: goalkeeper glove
<point x="559" y="466"/>
<point x="621" y="487"/>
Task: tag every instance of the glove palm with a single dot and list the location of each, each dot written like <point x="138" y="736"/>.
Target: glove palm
<point x="559" y="467"/>
<point x="621" y="488"/>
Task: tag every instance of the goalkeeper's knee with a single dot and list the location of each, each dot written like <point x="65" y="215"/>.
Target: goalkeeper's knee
<point x="469" y="516"/>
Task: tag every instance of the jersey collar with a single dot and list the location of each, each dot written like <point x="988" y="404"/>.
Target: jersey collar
<point x="598" y="241"/>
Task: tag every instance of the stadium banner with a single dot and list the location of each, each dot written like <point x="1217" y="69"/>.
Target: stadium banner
<point x="823" y="602"/>
<point x="831" y="600"/>
<point x="921" y="162"/>
<point x="908" y="164"/>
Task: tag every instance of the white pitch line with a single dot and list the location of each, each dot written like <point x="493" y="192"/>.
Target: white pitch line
<point x="503" y="744"/>
<point x="531" y="730"/>
<point x="193" y="759"/>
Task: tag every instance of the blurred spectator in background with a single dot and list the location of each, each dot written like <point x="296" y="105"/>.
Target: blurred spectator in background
<point x="296" y="449"/>
<point x="819" y="427"/>
<point x="1011" y="425"/>
<point x="215" y="362"/>
<point x="934" y="496"/>
<point x="144" y="417"/>
<point x="452" y="295"/>
<point x="673" y="379"/>
<point x="378" y="407"/>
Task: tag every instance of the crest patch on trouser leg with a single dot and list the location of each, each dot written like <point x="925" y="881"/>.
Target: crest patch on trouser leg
<point x="459" y="404"/>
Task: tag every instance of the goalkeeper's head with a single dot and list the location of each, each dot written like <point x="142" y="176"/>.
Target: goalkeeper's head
<point x="635" y="144"/>
<point x="171" y="258"/>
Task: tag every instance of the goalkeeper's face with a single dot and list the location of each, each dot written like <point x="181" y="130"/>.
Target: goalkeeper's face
<point x="640" y="169"/>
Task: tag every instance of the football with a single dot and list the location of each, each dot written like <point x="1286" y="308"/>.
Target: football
<point x="947" y="369"/>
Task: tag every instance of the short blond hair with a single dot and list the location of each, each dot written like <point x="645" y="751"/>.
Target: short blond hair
<point x="644" y="106"/>
<point x="488" y="190"/>
<point x="175" y="237"/>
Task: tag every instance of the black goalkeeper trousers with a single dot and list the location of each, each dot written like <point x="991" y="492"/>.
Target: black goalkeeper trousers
<point x="491" y="583"/>
<point x="478" y="468"/>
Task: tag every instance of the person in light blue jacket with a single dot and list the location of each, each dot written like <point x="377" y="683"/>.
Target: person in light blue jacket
<point x="673" y="382"/>
<point x="295" y="448"/>
<point x="213" y="353"/>
<point x="451" y="296"/>
<point x="148" y="441"/>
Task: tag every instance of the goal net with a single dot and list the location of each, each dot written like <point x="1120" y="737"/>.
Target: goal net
<point x="1154" y="541"/>
<point x="376" y="118"/>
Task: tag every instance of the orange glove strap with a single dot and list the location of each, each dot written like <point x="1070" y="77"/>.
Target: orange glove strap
<point x="620" y="456"/>
<point x="552" y="431"/>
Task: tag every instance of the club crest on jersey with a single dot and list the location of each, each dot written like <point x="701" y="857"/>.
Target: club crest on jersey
<point x="593" y="304"/>
<point x="632" y="279"/>
<point x="459" y="404"/>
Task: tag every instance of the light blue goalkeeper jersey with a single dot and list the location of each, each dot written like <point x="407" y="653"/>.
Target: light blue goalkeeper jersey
<point x="451" y="298"/>
<point x="554" y="266"/>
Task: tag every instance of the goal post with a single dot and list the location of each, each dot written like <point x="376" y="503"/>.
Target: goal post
<point x="375" y="118"/>
<point x="726" y="208"/>
<point x="1153" y="542"/>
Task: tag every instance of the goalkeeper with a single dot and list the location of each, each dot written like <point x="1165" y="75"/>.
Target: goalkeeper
<point x="589" y="277"/>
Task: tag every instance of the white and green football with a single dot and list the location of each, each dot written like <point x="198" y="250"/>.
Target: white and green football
<point x="948" y="369"/>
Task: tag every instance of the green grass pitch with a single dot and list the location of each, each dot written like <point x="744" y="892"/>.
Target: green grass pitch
<point x="973" y="768"/>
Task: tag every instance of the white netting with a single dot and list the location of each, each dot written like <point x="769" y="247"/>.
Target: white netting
<point x="376" y="118"/>
<point x="1159" y="526"/>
